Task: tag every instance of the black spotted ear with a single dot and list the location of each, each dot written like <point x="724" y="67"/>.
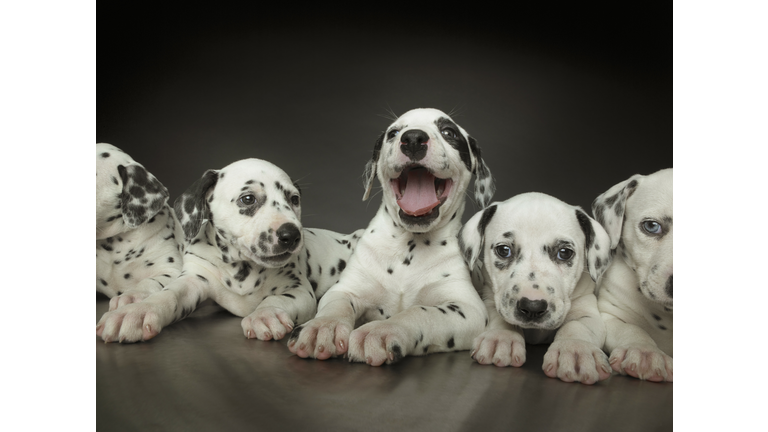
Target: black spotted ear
<point x="484" y="186"/>
<point x="472" y="236"/>
<point x="597" y="245"/>
<point x="609" y="207"/>
<point x="143" y="195"/>
<point x="191" y="207"/>
<point x="369" y="175"/>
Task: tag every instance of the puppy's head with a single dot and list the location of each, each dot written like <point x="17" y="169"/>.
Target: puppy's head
<point x="424" y="162"/>
<point x="254" y="207"/>
<point x="534" y="249"/>
<point x="127" y="195"/>
<point x="637" y="214"/>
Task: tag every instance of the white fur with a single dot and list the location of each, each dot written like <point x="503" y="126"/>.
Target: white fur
<point x="137" y="253"/>
<point x="532" y="229"/>
<point x="235" y="257"/>
<point x="406" y="286"/>
<point x="635" y="295"/>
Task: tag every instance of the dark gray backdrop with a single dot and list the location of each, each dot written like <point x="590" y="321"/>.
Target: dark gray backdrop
<point x="562" y="101"/>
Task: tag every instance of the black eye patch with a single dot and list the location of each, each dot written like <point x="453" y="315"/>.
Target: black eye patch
<point x="455" y="140"/>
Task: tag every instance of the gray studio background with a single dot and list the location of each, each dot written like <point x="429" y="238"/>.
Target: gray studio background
<point x="562" y="101"/>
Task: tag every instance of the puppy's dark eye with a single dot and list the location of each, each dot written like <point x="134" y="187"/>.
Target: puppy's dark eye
<point x="248" y="199"/>
<point x="393" y="133"/>
<point x="564" y="254"/>
<point x="295" y="200"/>
<point x="652" y="227"/>
<point x="503" y="251"/>
<point x="449" y="133"/>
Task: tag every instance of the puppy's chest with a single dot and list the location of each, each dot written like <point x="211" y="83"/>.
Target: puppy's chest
<point x="249" y="280"/>
<point x="658" y="321"/>
<point x="409" y="260"/>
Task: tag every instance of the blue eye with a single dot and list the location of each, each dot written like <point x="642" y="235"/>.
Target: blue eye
<point x="503" y="251"/>
<point x="564" y="254"/>
<point x="652" y="227"/>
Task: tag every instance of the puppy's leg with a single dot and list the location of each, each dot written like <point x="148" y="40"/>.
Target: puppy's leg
<point x="144" y="320"/>
<point x="501" y="344"/>
<point x="575" y="354"/>
<point x="277" y="314"/>
<point x="634" y="352"/>
<point x="327" y="334"/>
<point x="446" y="317"/>
<point x="156" y="282"/>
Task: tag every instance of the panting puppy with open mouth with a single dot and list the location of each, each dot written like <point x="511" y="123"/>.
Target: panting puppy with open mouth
<point x="406" y="285"/>
<point x="245" y="249"/>
<point x="137" y="252"/>
<point x="535" y="260"/>
<point x="635" y="295"/>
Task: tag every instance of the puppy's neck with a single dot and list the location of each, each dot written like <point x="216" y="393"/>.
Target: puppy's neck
<point x="387" y="222"/>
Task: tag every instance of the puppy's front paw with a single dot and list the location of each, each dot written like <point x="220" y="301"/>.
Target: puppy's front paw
<point x="576" y="360"/>
<point x="645" y="362"/>
<point x="320" y="338"/>
<point x="267" y="323"/>
<point x="130" y="323"/>
<point x="499" y="347"/>
<point x="127" y="298"/>
<point x="378" y="342"/>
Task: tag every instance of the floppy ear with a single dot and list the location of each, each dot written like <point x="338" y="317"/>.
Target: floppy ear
<point x="369" y="175"/>
<point x="472" y="236"/>
<point x="143" y="195"/>
<point x="597" y="245"/>
<point x="484" y="187"/>
<point x="609" y="207"/>
<point x="191" y="207"/>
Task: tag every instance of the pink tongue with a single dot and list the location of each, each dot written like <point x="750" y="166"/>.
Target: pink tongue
<point x="419" y="196"/>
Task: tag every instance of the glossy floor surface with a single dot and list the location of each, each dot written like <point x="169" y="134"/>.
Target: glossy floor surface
<point x="202" y="374"/>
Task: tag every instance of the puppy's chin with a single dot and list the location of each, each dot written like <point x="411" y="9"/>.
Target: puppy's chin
<point x="271" y="261"/>
<point x="549" y="322"/>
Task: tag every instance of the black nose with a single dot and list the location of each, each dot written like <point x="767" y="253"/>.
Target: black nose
<point x="288" y="235"/>
<point x="532" y="309"/>
<point x="668" y="288"/>
<point x="414" y="144"/>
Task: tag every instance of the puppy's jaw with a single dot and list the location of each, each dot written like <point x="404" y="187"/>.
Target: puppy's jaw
<point x="265" y="250"/>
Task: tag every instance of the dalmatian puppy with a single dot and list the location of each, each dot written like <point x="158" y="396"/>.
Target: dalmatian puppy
<point x="406" y="286"/>
<point x="635" y="296"/>
<point x="245" y="251"/>
<point x="535" y="260"/>
<point x="137" y="253"/>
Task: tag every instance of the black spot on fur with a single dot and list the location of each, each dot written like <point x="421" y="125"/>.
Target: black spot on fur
<point x="288" y="295"/>
<point x="451" y="343"/>
<point x="397" y="353"/>
<point x="342" y="265"/>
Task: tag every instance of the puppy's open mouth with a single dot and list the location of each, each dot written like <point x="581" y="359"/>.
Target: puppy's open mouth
<point x="418" y="192"/>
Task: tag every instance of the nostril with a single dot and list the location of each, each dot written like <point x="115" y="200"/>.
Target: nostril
<point x="288" y="234"/>
<point x="413" y="144"/>
<point x="532" y="309"/>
